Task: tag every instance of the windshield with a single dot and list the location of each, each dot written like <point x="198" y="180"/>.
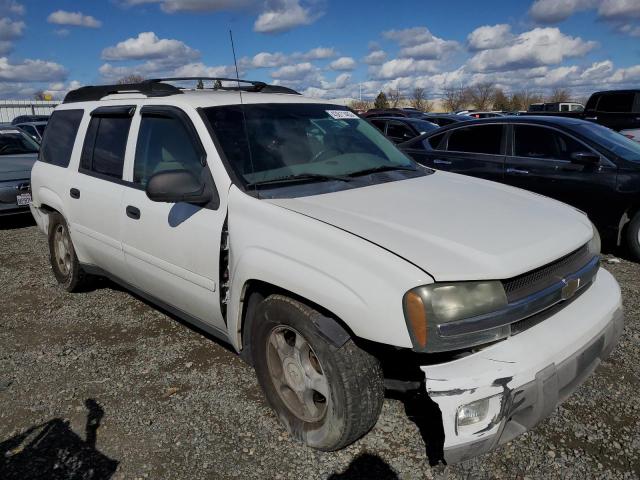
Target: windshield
<point x="13" y="142"/>
<point x="286" y="140"/>
<point x="617" y="143"/>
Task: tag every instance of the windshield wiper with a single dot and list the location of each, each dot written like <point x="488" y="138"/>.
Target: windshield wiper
<point x="300" y="177"/>
<point x="381" y="168"/>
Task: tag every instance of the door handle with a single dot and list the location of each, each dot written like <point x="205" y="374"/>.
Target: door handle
<point x="133" y="212"/>
<point x="74" y="192"/>
<point x="439" y="161"/>
<point x="517" y="171"/>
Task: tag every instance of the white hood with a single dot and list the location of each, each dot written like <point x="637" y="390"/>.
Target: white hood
<point x="452" y="226"/>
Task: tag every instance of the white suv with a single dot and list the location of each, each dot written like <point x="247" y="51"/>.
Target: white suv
<point x="293" y="230"/>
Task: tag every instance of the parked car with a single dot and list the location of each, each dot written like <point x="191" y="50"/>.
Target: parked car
<point x="581" y="163"/>
<point x="401" y="129"/>
<point x="18" y="153"/>
<point x="616" y="109"/>
<point x="34" y="129"/>
<point x="556" y="107"/>
<point x="29" y="118"/>
<point x="482" y="114"/>
<point x="390" y="112"/>
<point x="442" y="119"/>
<point x="294" y="230"/>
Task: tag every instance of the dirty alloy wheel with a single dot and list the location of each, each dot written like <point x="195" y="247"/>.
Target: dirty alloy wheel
<point x="64" y="261"/>
<point x="326" y="396"/>
<point x="633" y="236"/>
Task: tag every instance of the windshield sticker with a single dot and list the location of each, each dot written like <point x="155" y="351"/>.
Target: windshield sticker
<point x="341" y="114"/>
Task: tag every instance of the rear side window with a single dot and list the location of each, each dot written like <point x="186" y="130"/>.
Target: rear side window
<point x="105" y="145"/>
<point x="477" y="139"/>
<point x="60" y="136"/>
<point x="616" y="102"/>
<point x="436" y="141"/>
<point x="544" y="143"/>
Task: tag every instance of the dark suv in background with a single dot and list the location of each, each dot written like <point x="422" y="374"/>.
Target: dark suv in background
<point x="577" y="162"/>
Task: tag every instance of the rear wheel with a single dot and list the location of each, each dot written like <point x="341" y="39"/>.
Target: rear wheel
<point x="327" y="397"/>
<point x="633" y="236"/>
<point x="64" y="261"/>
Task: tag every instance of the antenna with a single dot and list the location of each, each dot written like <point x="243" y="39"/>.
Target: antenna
<point x="244" y="118"/>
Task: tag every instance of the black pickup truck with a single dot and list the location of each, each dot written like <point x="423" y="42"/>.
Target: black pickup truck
<point x="616" y="109"/>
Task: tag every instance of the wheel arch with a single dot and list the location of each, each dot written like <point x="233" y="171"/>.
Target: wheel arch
<point x="330" y="325"/>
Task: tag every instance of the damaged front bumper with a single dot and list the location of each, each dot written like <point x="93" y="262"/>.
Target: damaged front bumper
<point x="490" y="397"/>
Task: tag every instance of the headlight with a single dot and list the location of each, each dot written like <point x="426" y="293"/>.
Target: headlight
<point x="595" y="244"/>
<point x="429" y="306"/>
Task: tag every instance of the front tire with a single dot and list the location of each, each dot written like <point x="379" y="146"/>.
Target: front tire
<point x="326" y="396"/>
<point x="633" y="236"/>
<point x="62" y="255"/>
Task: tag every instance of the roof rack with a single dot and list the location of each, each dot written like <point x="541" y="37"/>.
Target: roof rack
<point x="157" y="87"/>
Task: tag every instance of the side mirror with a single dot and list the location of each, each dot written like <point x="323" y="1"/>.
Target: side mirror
<point x="585" y="158"/>
<point x="174" y="186"/>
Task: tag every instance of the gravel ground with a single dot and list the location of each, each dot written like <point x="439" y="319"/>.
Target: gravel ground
<point x="102" y="384"/>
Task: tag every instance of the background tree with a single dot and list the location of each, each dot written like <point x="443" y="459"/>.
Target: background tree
<point x="522" y="99"/>
<point x="360" y="105"/>
<point x="132" y="78"/>
<point x="481" y="95"/>
<point x="394" y="96"/>
<point x="559" y="95"/>
<point x="454" y="97"/>
<point x="501" y="101"/>
<point x="419" y="100"/>
<point x="381" y="101"/>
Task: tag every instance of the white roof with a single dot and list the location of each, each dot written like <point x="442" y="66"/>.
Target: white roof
<point x="198" y="99"/>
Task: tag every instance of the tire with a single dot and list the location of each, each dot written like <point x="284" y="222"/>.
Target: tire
<point x="62" y="255"/>
<point x="633" y="237"/>
<point x="350" y="379"/>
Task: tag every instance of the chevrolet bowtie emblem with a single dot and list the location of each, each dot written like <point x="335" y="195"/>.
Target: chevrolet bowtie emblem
<point x="570" y="288"/>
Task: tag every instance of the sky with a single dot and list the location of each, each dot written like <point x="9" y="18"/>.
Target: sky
<point x="323" y="48"/>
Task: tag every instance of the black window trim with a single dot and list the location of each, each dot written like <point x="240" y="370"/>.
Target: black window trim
<point x="512" y="138"/>
<point x="122" y="111"/>
<point x="75" y="138"/>
<point x="503" y="141"/>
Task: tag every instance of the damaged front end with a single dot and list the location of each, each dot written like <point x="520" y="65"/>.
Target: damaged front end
<point x="495" y="394"/>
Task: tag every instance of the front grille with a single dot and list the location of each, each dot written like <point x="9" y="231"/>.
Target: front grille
<point x="545" y="276"/>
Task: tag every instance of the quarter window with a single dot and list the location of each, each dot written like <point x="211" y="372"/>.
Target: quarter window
<point x="105" y="145"/>
<point x="60" y="136"/>
<point x="541" y="142"/>
<point x="477" y="139"/>
<point x="616" y="102"/>
<point x="399" y="132"/>
<point x="164" y="144"/>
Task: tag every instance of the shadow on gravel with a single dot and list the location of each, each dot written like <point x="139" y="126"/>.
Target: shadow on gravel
<point x="53" y="451"/>
<point x="14" y="222"/>
<point x="366" y="466"/>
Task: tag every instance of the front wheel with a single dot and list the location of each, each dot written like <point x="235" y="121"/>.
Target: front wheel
<point x="633" y="236"/>
<point x="326" y="396"/>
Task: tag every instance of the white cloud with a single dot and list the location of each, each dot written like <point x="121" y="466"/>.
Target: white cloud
<point x="489" y="37"/>
<point x="31" y="71"/>
<point x="284" y="15"/>
<point x="11" y="7"/>
<point x="343" y="63"/>
<point x="297" y="71"/>
<point x="77" y="19"/>
<point x="201" y="70"/>
<point x="62" y="32"/>
<point x="59" y="89"/>
<point x="376" y="57"/>
<point x="147" y="45"/>
<point x="277" y="59"/>
<point x="318" y="53"/>
<point x="401" y="67"/>
<point x="540" y="46"/>
<point x="419" y="42"/>
<point x="554" y="11"/>
<point x="176" y="6"/>
<point x="10" y="30"/>
<point x="619" y="9"/>
<point x="631" y="30"/>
